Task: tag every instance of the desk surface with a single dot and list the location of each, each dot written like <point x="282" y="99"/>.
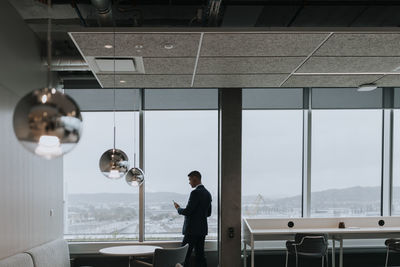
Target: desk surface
<point x="129" y="250"/>
<point x="349" y="230"/>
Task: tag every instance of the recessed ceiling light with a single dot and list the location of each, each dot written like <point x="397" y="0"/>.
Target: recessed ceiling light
<point x="122" y="81"/>
<point x="367" y="87"/>
<point x="138" y="46"/>
<point x="108" y="46"/>
<point x="168" y="46"/>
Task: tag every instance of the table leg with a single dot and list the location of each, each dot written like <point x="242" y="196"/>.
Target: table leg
<point x="333" y="252"/>
<point x="129" y="261"/>
<point x="341" y="253"/>
<point x="244" y="255"/>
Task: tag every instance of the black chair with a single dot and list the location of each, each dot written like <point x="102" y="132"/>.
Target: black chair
<point x="308" y="245"/>
<point x="167" y="257"/>
<point x="392" y="244"/>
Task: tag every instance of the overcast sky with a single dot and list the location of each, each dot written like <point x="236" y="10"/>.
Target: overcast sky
<point x="346" y="150"/>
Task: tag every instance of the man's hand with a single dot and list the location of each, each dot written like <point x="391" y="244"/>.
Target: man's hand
<point x="176" y="205"/>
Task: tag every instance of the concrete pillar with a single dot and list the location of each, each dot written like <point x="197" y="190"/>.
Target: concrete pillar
<point x="230" y="178"/>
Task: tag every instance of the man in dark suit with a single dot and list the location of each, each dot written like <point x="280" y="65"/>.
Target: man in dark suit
<point x="195" y="227"/>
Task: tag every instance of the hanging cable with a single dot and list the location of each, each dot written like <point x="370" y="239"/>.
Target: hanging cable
<point x="114" y="86"/>
<point x="49" y="44"/>
<point x="134" y="139"/>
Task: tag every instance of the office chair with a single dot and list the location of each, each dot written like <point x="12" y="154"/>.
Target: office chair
<point x="392" y="244"/>
<point x="308" y="245"/>
<point x="167" y="257"/>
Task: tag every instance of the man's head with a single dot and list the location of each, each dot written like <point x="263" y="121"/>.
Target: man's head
<point x="194" y="178"/>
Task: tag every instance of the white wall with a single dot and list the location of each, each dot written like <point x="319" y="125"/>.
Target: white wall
<point x="29" y="186"/>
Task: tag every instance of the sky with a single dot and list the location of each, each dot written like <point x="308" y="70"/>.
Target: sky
<point x="346" y="150"/>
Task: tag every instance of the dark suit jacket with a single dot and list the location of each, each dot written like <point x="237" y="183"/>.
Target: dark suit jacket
<point x="196" y="212"/>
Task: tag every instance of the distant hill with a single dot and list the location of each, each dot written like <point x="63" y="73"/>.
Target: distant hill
<point x="353" y="194"/>
<point x="362" y="195"/>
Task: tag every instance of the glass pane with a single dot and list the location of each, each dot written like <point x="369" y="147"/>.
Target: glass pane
<point x="346" y="98"/>
<point x="98" y="208"/>
<point x="397" y="97"/>
<point x="177" y="142"/>
<point x="396" y="163"/>
<point x="272" y="163"/>
<point x="346" y="163"/>
<point x="103" y="99"/>
<point x="180" y="99"/>
<point x="271" y="98"/>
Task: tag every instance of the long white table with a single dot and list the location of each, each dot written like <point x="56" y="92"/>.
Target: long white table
<point x="356" y="228"/>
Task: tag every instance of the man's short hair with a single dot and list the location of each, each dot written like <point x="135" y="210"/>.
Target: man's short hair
<point x="195" y="174"/>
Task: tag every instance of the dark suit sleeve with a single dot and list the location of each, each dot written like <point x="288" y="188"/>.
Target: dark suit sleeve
<point x="191" y="206"/>
<point x="209" y="208"/>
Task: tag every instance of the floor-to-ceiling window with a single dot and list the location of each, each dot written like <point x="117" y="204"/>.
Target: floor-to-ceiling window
<point x="346" y="163"/>
<point x="272" y="129"/>
<point x="180" y="135"/>
<point x="177" y="142"/>
<point x="98" y="208"/>
<point x="346" y="152"/>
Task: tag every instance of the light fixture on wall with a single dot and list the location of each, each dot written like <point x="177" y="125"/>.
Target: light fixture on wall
<point x="46" y="121"/>
<point x="114" y="163"/>
<point x="367" y="87"/>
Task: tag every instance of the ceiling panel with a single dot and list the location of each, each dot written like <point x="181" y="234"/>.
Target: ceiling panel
<point x="329" y="80"/>
<point x="138" y="44"/>
<point x="350" y="64"/>
<point x="257" y="80"/>
<point x="361" y="44"/>
<point x="389" y="81"/>
<point x="244" y="65"/>
<point x="169" y="65"/>
<point x="146" y="81"/>
<point x="260" y="44"/>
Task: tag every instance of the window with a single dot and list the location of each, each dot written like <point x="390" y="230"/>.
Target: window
<point x="272" y="163"/>
<point x="396" y="164"/>
<point x="177" y="142"/>
<point x="346" y="163"/>
<point x="98" y="208"/>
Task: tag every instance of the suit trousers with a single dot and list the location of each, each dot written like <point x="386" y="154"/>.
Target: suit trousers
<point x="195" y="242"/>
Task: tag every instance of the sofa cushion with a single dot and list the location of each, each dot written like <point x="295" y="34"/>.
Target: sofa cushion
<point x="52" y="254"/>
<point x="19" y="260"/>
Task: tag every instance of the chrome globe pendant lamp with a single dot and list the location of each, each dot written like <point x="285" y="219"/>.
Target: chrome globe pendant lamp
<point x="47" y="122"/>
<point x="135" y="176"/>
<point x="114" y="163"/>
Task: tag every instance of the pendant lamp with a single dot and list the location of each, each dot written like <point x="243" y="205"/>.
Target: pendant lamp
<point x="135" y="176"/>
<point x="114" y="163"/>
<point x="47" y="122"/>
